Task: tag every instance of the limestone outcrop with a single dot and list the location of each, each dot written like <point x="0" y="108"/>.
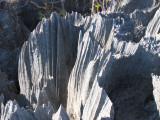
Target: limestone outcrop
<point x="156" y="91"/>
<point x="60" y="114"/>
<point x="117" y="68"/>
<point x="8" y="89"/>
<point x="10" y="23"/>
<point x="46" y="61"/>
<point x="46" y="77"/>
<point x="104" y="66"/>
<point x="14" y="112"/>
<point x="13" y="33"/>
<point x="129" y="6"/>
<point x="111" y="65"/>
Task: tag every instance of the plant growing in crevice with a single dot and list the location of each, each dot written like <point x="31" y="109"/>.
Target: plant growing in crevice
<point x="95" y="6"/>
<point x="98" y="5"/>
<point x="43" y="15"/>
<point x="48" y="8"/>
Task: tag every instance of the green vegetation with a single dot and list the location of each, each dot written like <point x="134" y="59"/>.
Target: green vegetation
<point x="45" y="14"/>
<point x="97" y="5"/>
<point x="92" y="8"/>
<point x="62" y="13"/>
<point x="48" y="8"/>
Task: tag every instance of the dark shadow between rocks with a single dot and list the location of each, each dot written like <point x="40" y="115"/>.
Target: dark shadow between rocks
<point x="129" y="84"/>
<point x="23" y="101"/>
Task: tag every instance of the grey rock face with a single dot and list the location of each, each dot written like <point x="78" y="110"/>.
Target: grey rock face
<point x="97" y="67"/>
<point x="1" y="101"/>
<point x="46" y="61"/>
<point x="128" y="66"/>
<point x="98" y="106"/>
<point x="9" y="23"/>
<point x="129" y="6"/>
<point x="9" y="64"/>
<point x="60" y="114"/>
<point x="13" y="33"/>
<point x="118" y="70"/>
<point x="45" y="77"/>
<point x="153" y="27"/>
<point x="156" y="91"/>
<point x="13" y="111"/>
<point x="80" y="86"/>
<point x="4" y="89"/>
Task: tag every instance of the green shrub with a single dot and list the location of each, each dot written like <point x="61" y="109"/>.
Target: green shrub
<point x="44" y="14"/>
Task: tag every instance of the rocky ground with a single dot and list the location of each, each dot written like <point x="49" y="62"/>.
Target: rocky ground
<point x="105" y="66"/>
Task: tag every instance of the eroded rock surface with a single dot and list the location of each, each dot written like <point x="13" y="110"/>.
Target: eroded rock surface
<point x="123" y="69"/>
<point x="46" y="61"/>
<point x="156" y="91"/>
<point x="9" y="91"/>
<point x="13" y="111"/>
<point x="13" y="33"/>
<point x="98" y="67"/>
<point x="60" y="114"/>
<point x="10" y="23"/>
<point x="129" y="6"/>
<point x="106" y="56"/>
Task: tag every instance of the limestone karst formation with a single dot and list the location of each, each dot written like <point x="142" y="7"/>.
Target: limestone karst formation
<point x="100" y="67"/>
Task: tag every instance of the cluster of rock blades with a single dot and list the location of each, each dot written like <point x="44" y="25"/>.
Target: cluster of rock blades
<point x="101" y="67"/>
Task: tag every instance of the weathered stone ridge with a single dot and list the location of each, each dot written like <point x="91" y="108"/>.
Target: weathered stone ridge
<point x="46" y="61"/>
<point x="104" y="66"/>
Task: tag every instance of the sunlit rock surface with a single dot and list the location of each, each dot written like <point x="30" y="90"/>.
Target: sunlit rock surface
<point x="98" y="67"/>
<point x="60" y="114"/>
<point x="14" y="112"/>
<point x="46" y="61"/>
<point x="122" y="68"/>
<point x="46" y="77"/>
<point x="156" y="91"/>
<point x="128" y="6"/>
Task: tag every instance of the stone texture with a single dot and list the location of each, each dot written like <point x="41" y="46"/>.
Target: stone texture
<point x="8" y="94"/>
<point x="13" y="111"/>
<point x="153" y="27"/>
<point x="24" y="9"/>
<point x="60" y="114"/>
<point x="80" y="6"/>
<point x="39" y="84"/>
<point x="46" y="61"/>
<point x="98" y="67"/>
<point x="9" y="64"/>
<point x="156" y="91"/>
<point x="129" y="6"/>
<point x="9" y="23"/>
<point x="98" y="105"/>
<point x="13" y="33"/>
<point x="126" y="67"/>
<point x="1" y="101"/>
<point x="81" y="81"/>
